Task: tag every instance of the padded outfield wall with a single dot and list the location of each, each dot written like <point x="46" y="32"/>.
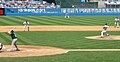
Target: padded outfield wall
<point x="60" y="11"/>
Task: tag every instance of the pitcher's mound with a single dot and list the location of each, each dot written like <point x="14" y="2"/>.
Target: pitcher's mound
<point x="27" y="50"/>
<point x="104" y="38"/>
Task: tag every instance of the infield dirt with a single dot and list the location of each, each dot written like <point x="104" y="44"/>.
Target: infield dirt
<point x="58" y="28"/>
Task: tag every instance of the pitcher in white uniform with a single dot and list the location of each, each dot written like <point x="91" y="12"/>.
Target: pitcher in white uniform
<point x="104" y="32"/>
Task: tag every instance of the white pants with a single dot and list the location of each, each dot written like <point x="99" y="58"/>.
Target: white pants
<point x="67" y="16"/>
<point x="13" y="43"/>
<point x="25" y="27"/>
<point x="104" y="32"/>
<point x="117" y="24"/>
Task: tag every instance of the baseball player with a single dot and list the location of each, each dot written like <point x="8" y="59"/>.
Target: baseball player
<point x="14" y="40"/>
<point x="26" y="24"/>
<point x="67" y="15"/>
<point x="116" y="24"/>
<point x="104" y="32"/>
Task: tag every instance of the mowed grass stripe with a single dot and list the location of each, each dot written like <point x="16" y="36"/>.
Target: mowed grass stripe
<point x="96" y="44"/>
<point x="35" y="20"/>
<point x="105" y="44"/>
<point x="68" y="20"/>
<point x="76" y="20"/>
<point x="91" y="20"/>
<point x="32" y="21"/>
<point x="5" y="22"/>
<point x="23" y="40"/>
<point x="116" y="44"/>
<point x="26" y="19"/>
<point x="13" y="20"/>
<point x="81" y="20"/>
<point x="72" y="20"/>
<point x="5" y="38"/>
<point x="65" y="20"/>
<point x="2" y="40"/>
<point x="41" y="23"/>
<point x="39" y="19"/>
<point x="54" y="21"/>
<point x="21" y="18"/>
<point x="58" y="20"/>
<point x="64" y="39"/>
<point x="96" y="20"/>
<point x="100" y="19"/>
<point x="87" y="21"/>
<point x="66" y="43"/>
<point x="16" y="20"/>
<point x="83" y="43"/>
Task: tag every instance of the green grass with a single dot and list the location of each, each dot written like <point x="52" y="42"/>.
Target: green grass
<point x="63" y="39"/>
<point x="70" y="57"/>
<point x="57" y="20"/>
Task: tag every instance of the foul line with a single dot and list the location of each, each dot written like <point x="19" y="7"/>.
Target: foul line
<point x="89" y="50"/>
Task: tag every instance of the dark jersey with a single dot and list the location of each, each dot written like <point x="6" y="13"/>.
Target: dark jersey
<point x="13" y="36"/>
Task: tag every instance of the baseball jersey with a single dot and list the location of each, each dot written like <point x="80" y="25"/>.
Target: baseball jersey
<point x="105" y="27"/>
<point x="13" y="35"/>
<point x="116" y="19"/>
<point x="26" y="23"/>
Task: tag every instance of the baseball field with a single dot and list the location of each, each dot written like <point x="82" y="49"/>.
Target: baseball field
<point x="59" y="39"/>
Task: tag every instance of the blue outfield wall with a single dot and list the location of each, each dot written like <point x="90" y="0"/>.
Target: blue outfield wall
<point x="60" y="11"/>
